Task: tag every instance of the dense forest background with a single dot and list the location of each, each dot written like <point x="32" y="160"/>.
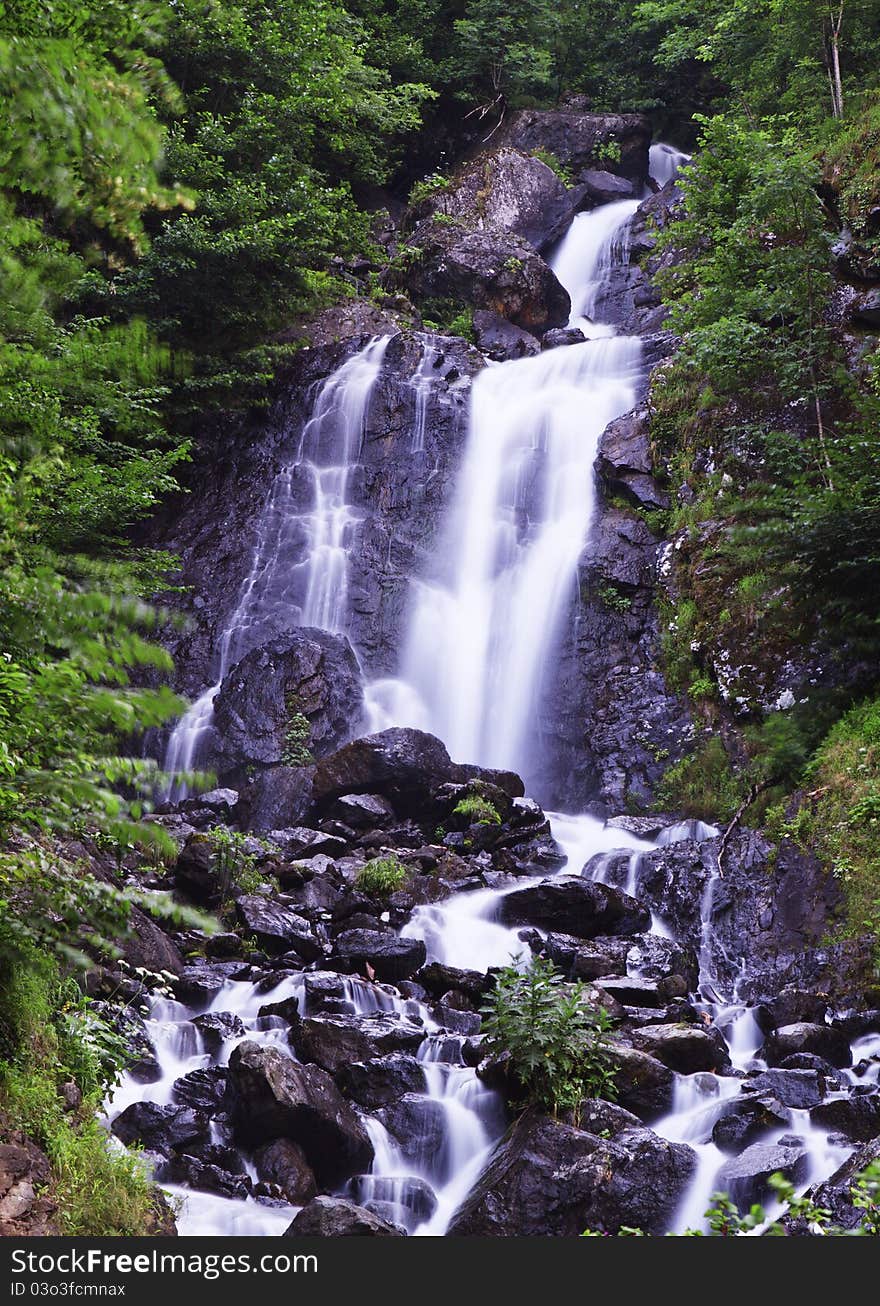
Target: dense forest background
<point x="181" y="184"/>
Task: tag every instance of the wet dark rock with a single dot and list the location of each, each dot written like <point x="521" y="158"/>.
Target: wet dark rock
<point x="284" y="1163"/>
<point x="200" y="983"/>
<point x="143" y="1065"/>
<point x="551" y="1179"/>
<point x="790" y="1007"/>
<point x="160" y="1129"/>
<point x="301" y="842"/>
<point x="438" y="979"/>
<point x="500" y="339"/>
<point x="419" y="1126"/>
<point x="334" y="1042"/>
<point x="746" y="1177"/>
<point x="205" y="1177"/>
<point x="584" y="142"/>
<point x="390" y="956"/>
<point x="304" y="674"/>
<point x="489" y="269"/>
<point x="644" y="1084"/>
<point x="276" y="797"/>
<point x="336" y="1217"/>
<point x="799" y="1089"/>
<point x="203" y="1089"/>
<point x="836" y="1193"/>
<point x="745" y="1119"/>
<point x="856" y="1117"/>
<point x="685" y="1048"/>
<point x="217" y="1026"/>
<point x="276" y="928"/>
<point x="224" y="947"/>
<point x="820" y="1040"/>
<point x="559" y="337"/>
<point x="406" y="767"/>
<point x="625" y="465"/>
<point x="195" y="872"/>
<point x="638" y="992"/>
<point x="363" y="811"/>
<point x="145" y="944"/>
<point x="389" y="1195"/>
<point x="381" y="1081"/>
<point x="606" y="187"/>
<point x="579" y="907"/>
<point x="269" y="1096"/>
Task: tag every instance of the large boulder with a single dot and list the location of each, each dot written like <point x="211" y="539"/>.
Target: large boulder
<point x="583" y="142"/>
<point x="548" y="1178"/>
<point x="269" y="1096"/>
<point x="284" y="1163"/>
<point x="335" y="1042"/>
<point x="856" y="1117"/>
<point x="508" y="191"/>
<point x="405" y="767"/>
<point x="500" y="339"/>
<point x="391" y="957"/>
<point x="336" y="1217"/>
<point x="420" y="1127"/>
<point x="296" y="697"/>
<point x="644" y="1084"/>
<point x="799" y="1089"/>
<point x="382" y="1080"/>
<point x="160" y="1129"/>
<point x="489" y="269"/>
<point x="579" y="907"/>
<point x="276" y="928"/>
<point x="746" y="1178"/>
<point x="684" y="1048"/>
<point x="802" y="1036"/>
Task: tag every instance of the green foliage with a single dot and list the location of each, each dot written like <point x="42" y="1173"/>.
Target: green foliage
<point x="427" y="188"/>
<point x="549" y="158"/>
<point x="839" y="817"/>
<point x="553" y="1039"/>
<point x="477" y="810"/>
<point x="297" y="736"/>
<point x="449" y="318"/>
<point x="613" y="597"/>
<point x="233" y="864"/>
<point x="381" y="876"/>
<point x="48" y="1036"/>
<point x="702" y="785"/>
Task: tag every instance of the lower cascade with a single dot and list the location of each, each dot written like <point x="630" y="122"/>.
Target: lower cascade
<point x="321" y="1071"/>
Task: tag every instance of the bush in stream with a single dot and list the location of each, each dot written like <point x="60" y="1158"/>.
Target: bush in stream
<point x="381" y="876"/>
<point x="554" y="1040"/>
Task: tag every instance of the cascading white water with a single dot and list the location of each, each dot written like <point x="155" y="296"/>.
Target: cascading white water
<point x="421" y="383"/>
<point x="481" y="632"/>
<point x="665" y="162"/>
<point x="298" y="571"/>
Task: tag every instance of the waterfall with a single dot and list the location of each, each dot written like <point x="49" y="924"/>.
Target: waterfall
<point x="482" y="629"/>
<point x="665" y="161"/>
<point x="298" y="569"/>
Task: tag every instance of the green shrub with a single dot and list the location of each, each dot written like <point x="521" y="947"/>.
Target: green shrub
<point x="555" y="1040"/>
<point x="44" y="1041"/>
<point x="297" y="736"/>
<point x="477" y="810"/>
<point x="233" y="865"/>
<point x="425" y="189"/>
<point x="702" y="785"/>
<point x="381" y="876"/>
<point x="613" y="598"/>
